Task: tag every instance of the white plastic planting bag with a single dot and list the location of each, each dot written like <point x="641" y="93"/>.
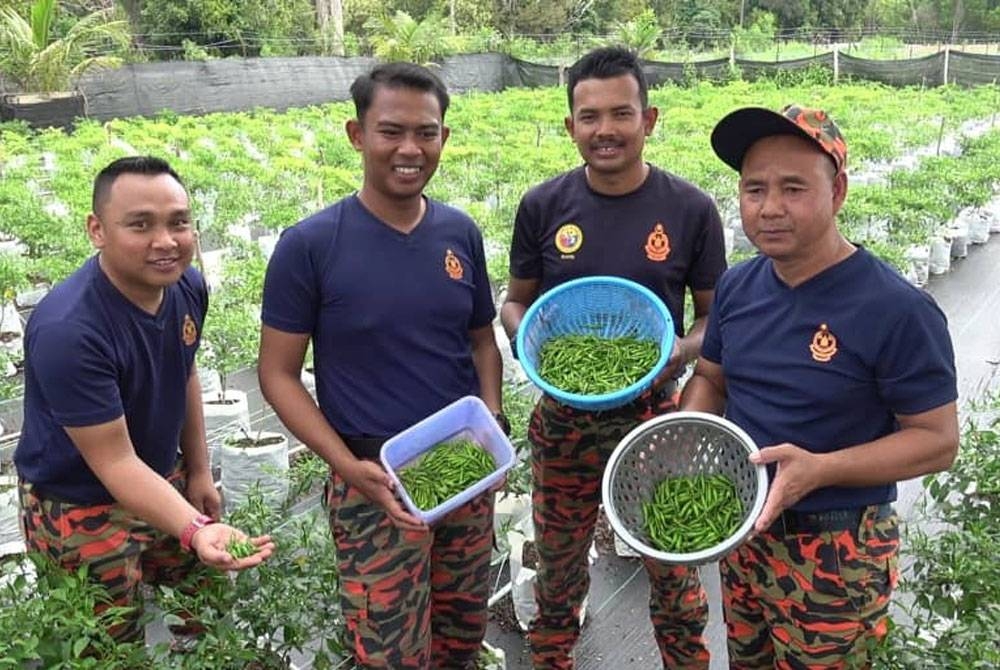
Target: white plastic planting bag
<point x="522" y="579"/>
<point x="10" y="527"/>
<point x="940" y="260"/>
<point x="264" y="467"/>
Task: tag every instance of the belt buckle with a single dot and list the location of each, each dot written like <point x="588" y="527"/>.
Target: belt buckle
<point x="797" y="523"/>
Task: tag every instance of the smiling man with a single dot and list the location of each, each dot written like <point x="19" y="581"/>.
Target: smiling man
<point x="844" y="374"/>
<point x="614" y="215"/>
<point x="391" y="288"/>
<point x="111" y="395"/>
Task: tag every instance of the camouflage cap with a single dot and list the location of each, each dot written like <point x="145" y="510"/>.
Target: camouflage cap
<point x="737" y="131"/>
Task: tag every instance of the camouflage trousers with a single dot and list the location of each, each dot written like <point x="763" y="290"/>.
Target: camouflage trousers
<point x="570" y="449"/>
<point x="120" y="550"/>
<point x="816" y="601"/>
<point x="412" y="599"/>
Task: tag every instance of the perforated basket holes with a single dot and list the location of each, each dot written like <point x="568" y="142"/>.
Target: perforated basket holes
<point x="672" y="450"/>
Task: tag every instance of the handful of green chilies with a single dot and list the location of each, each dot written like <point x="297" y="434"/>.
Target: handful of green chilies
<point x="240" y="548"/>
<point x="593" y="365"/>
<point x="692" y="513"/>
<point x="446" y="469"/>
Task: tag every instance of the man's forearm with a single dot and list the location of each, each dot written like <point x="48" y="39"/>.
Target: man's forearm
<point x="701" y="395"/>
<point x="489" y="368"/>
<point x="690" y="344"/>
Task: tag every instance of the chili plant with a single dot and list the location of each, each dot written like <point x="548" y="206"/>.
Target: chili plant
<point x="950" y="590"/>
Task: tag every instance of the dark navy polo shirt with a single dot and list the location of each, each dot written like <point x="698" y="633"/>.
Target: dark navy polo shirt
<point x="828" y="364"/>
<point x="666" y="235"/>
<point x="389" y="313"/>
<point x="92" y="356"/>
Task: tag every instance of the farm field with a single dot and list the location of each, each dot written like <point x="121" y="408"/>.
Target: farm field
<point x="925" y="185"/>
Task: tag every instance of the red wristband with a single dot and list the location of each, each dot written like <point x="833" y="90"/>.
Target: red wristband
<point x="196" y="524"/>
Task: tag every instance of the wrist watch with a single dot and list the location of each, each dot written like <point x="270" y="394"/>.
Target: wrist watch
<point x="503" y="422"/>
<point x="196" y="524"/>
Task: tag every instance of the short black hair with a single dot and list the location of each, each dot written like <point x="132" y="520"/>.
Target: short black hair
<point x="396" y="75"/>
<point x="606" y="63"/>
<point x="145" y="165"/>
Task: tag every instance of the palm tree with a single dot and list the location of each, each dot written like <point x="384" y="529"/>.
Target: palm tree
<point x="403" y="38"/>
<point x="32" y="59"/>
<point x="641" y="34"/>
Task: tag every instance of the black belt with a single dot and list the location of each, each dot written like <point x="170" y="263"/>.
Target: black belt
<point x="364" y="446"/>
<point x="792" y="522"/>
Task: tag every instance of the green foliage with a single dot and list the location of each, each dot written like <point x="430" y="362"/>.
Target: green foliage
<point x="402" y="38"/>
<point x="232" y="328"/>
<point x="758" y="36"/>
<point x="270" y="612"/>
<point x="47" y="620"/>
<point x="518" y="403"/>
<point x="641" y="34"/>
<point x="951" y="593"/>
<point x="244" y="27"/>
<point x="536" y="17"/>
<point x="38" y="62"/>
<point x="13" y="275"/>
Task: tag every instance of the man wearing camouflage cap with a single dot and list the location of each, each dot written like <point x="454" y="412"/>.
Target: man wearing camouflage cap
<point x="843" y="373"/>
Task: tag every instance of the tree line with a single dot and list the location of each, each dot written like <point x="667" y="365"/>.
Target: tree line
<point x="193" y="28"/>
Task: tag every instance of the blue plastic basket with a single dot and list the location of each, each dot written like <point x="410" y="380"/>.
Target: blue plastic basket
<point x="467" y="417"/>
<point x="599" y="305"/>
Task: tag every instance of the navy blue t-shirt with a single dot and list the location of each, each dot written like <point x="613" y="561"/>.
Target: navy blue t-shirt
<point x="666" y="235"/>
<point x="828" y="364"/>
<point x="389" y="313"/>
<point x="92" y="356"/>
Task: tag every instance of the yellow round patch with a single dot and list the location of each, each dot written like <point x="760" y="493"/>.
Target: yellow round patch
<point x="189" y="332"/>
<point x="569" y="238"/>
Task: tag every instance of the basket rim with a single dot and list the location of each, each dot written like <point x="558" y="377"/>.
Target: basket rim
<point x="708" y="554"/>
<point x="608" y="399"/>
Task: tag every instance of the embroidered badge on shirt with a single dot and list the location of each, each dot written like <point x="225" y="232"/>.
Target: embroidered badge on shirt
<point x="569" y="238"/>
<point x="824" y="345"/>
<point x="657" y="244"/>
<point x="453" y="266"/>
<point x="189" y="332"/>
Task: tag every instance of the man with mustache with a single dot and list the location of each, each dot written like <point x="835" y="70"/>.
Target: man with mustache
<point x="614" y="215"/>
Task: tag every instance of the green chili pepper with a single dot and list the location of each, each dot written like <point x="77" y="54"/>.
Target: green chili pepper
<point x="240" y="548"/>
<point x="593" y="365"/>
<point x="692" y="513"/>
<point x="444" y="471"/>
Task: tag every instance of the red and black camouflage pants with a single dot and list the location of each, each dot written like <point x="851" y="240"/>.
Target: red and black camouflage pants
<point x="412" y="599"/>
<point x="814" y="601"/>
<point x="120" y="550"/>
<point x="570" y="449"/>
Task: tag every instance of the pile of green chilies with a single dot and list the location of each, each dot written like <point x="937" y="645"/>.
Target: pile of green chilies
<point x="240" y="548"/>
<point x="593" y="365"/>
<point x="445" y="470"/>
<point x="692" y="513"/>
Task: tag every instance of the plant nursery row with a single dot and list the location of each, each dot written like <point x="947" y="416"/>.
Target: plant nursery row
<point x="924" y="186"/>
